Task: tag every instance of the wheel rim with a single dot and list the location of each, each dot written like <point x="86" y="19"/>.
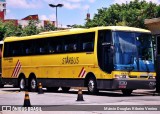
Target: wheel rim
<point x="33" y="83"/>
<point x="22" y="83"/>
<point x="91" y="85"/>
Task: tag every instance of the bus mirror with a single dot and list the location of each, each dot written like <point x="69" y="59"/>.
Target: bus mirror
<point x="106" y="44"/>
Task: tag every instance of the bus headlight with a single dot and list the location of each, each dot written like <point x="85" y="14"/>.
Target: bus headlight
<point x="121" y="76"/>
<point x="151" y="77"/>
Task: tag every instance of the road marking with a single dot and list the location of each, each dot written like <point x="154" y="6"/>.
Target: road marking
<point x="4" y="92"/>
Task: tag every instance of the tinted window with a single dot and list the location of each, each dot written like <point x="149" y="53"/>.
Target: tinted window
<point x="52" y="45"/>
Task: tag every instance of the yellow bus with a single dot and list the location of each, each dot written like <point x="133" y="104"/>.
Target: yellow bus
<point x="100" y="58"/>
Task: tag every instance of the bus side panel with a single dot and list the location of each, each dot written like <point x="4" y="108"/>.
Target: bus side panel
<point x="62" y="69"/>
<point x="62" y="65"/>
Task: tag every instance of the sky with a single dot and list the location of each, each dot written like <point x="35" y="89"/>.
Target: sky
<point x="73" y="11"/>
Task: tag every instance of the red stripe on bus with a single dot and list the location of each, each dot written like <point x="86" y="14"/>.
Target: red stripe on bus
<point x="81" y="72"/>
<point x="18" y="69"/>
<point x="14" y="69"/>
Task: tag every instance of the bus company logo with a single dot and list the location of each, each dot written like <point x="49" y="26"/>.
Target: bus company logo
<point x="17" y="69"/>
<point x="70" y="60"/>
<point x="82" y="73"/>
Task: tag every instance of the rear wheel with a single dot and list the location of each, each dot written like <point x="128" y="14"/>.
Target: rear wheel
<point x="52" y="89"/>
<point x="127" y="92"/>
<point x="22" y="83"/>
<point x="92" y="86"/>
<point x="33" y="85"/>
<point x="65" y="89"/>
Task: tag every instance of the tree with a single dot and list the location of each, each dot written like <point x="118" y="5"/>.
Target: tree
<point x="2" y="30"/>
<point x="10" y="29"/>
<point x="7" y="29"/>
<point x="48" y="27"/>
<point x="128" y="14"/>
<point x="31" y="28"/>
<point x="77" y="26"/>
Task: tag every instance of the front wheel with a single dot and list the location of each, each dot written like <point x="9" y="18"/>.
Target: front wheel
<point x="92" y="86"/>
<point x="33" y="85"/>
<point x="127" y="92"/>
<point x="22" y="84"/>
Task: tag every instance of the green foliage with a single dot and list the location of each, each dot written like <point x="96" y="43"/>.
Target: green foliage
<point x="2" y="30"/>
<point x="49" y="27"/>
<point x="77" y="26"/>
<point x="7" y="29"/>
<point x="10" y="29"/>
<point x="31" y="28"/>
<point x="129" y="14"/>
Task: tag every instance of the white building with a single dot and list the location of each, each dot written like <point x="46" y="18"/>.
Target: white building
<point x="3" y="6"/>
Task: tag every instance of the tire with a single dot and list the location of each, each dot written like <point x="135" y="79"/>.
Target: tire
<point x="92" y="86"/>
<point x="52" y="89"/>
<point x="127" y="92"/>
<point x="65" y="89"/>
<point x="22" y="83"/>
<point x="33" y="85"/>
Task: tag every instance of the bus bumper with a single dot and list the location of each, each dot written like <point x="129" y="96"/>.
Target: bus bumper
<point x="134" y="84"/>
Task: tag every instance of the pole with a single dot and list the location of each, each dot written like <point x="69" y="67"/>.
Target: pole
<point x="56" y="18"/>
<point x="56" y="6"/>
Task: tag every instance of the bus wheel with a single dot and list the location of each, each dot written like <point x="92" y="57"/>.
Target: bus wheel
<point x="65" y="89"/>
<point x="92" y="86"/>
<point x="50" y="89"/>
<point x="33" y="84"/>
<point x="22" y="83"/>
<point x="127" y="92"/>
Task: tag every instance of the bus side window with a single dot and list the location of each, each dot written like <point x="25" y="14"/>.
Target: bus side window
<point x="88" y="46"/>
<point x="27" y="51"/>
<point x="51" y="46"/>
<point x="59" y="48"/>
<point x="87" y="42"/>
<point x="66" y="48"/>
<point x="14" y="52"/>
<point x="51" y="49"/>
<point x="41" y="50"/>
<point x="74" y="46"/>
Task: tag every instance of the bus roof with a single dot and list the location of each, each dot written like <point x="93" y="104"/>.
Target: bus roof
<point x="75" y="31"/>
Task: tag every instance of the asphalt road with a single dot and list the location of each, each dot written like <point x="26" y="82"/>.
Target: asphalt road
<point x="104" y="102"/>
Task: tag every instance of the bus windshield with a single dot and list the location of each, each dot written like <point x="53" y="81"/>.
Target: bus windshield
<point x="133" y="49"/>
